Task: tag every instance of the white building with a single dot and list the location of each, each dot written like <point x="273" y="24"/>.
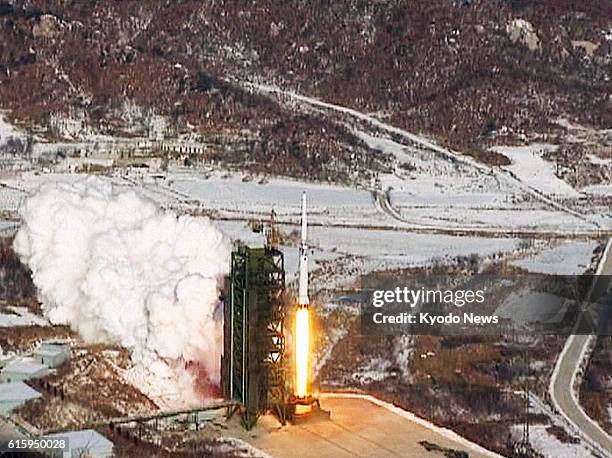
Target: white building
<point x="85" y="444"/>
<point x="15" y="394"/>
<point x="157" y="128"/>
<point x="183" y="147"/>
<point x="22" y="369"/>
<point x="52" y="354"/>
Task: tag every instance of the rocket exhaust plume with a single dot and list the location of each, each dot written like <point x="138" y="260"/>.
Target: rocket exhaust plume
<point x="302" y="351"/>
<point x="302" y="317"/>
<point x="117" y="269"/>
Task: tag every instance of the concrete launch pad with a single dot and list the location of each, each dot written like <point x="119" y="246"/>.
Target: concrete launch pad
<point x="358" y="427"/>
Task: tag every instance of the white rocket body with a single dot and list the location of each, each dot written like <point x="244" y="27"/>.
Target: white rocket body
<point x="303" y="280"/>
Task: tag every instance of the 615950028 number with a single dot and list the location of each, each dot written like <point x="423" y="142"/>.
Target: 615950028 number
<point x="34" y="445"/>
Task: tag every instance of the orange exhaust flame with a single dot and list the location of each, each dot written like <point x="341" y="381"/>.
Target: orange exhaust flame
<point x="302" y="351"/>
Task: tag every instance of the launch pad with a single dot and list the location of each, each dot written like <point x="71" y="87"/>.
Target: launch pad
<point x="307" y="408"/>
<point x="254" y="365"/>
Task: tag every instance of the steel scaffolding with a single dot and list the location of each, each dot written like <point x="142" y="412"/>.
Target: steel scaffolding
<point x="253" y="363"/>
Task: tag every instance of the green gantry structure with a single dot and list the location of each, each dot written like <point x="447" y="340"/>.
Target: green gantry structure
<point x="253" y="365"/>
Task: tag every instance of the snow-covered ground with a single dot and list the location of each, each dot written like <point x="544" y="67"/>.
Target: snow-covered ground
<point x="220" y="190"/>
<point x="20" y="316"/>
<point x="232" y="196"/>
<point x="7" y="130"/>
<point x="426" y="190"/>
<point x="390" y="249"/>
<point x="598" y="189"/>
<point x="529" y="176"/>
<point x="569" y="258"/>
<point x="28" y="182"/>
<point x="531" y="168"/>
<point x="543" y="441"/>
<point x="549" y="446"/>
<point x="429" y="190"/>
<point x="375" y="370"/>
<point x="347" y="221"/>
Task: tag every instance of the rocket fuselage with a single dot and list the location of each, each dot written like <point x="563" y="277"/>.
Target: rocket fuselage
<point x="302" y="338"/>
<point x="303" y="300"/>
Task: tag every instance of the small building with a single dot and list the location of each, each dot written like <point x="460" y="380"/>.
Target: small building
<point x="15" y="394"/>
<point x="157" y="128"/>
<point x="22" y="369"/>
<point x="85" y="444"/>
<point x="52" y="354"/>
<point x="183" y="147"/>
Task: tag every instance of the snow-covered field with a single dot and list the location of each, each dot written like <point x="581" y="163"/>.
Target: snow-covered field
<point x="377" y="249"/>
<point x="529" y="166"/>
<point x="397" y="248"/>
<point x="232" y="196"/>
<point x="20" y="316"/>
<point x="28" y="182"/>
<point x="219" y="190"/>
<point x="347" y="221"/>
<point x="428" y="189"/>
<point x="569" y="258"/>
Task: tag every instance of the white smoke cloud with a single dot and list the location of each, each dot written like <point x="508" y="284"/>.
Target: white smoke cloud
<point x="119" y="270"/>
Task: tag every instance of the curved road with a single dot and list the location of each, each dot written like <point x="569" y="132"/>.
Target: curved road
<point x="383" y="201"/>
<point x="563" y="386"/>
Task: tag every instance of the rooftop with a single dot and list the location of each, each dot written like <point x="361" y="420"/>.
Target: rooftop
<point x="24" y="366"/>
<point x="17" y="391"/>
<point x="48" y="352"/>
<point x="87" y="439"/>
<point x="53" y="348"/>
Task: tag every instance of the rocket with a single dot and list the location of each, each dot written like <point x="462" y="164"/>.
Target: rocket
<point x="302" y="318"/>
<point x="303" y="300"/>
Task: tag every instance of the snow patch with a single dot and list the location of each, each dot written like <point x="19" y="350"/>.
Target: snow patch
<point x="375" y="371"/>
<point x="530" y="167"/>
<point x="20" y="316"/>
<point x="548" y="445"/>
<point x="566" y="259"/>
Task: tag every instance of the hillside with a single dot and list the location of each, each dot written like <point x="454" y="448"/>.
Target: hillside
<point x="466" y="72"/>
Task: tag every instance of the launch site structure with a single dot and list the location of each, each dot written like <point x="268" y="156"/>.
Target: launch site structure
<point x="253" y="366"/>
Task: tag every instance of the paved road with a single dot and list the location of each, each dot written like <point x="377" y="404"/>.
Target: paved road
<point x="358" y="427"/>
<point x="383" y="202"/>
<point x="568" y="364"/>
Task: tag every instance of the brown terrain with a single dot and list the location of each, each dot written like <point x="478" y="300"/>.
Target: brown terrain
<point x="596" y="388"/>
<point x="465" y="72"/>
